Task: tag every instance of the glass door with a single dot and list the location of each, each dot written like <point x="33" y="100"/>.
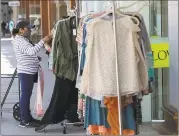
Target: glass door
<point x="159" y="33"/>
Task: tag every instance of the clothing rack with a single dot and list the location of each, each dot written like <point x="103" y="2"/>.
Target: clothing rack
<point x="65" y="123"/>
<point x="114" y="8"/>
<point x="117" y="68"/>
<point x="116" y="53"/>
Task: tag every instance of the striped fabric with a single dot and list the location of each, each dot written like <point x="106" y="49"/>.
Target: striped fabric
<point x="25" y="52"/>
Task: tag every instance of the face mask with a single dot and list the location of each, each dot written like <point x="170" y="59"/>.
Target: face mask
<point x="27" y="34"/>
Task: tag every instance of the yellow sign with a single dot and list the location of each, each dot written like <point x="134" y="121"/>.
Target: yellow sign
<point x="160" y="53"/>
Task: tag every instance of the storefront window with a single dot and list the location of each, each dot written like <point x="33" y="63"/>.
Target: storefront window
<point x="6" y="12"/>
<point x="58" y="7"/>
<point x="35" y="19"/>
<point x="22" y="9"/>
<point x="159" y="32"/>
<point x="156" y="19"/>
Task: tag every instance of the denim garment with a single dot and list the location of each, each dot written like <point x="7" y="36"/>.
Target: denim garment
<point x="128" y="121"/>
<point x="95" y="114"/>
<point x="83" y="55"/>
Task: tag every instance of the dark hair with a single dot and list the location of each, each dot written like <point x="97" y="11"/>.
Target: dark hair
<point x="21" y="24"/>
<point x="15" y="31"/>
<point x="64" y="17"/>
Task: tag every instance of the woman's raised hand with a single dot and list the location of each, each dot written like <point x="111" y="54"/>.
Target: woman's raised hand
<point x="47" y="39"/>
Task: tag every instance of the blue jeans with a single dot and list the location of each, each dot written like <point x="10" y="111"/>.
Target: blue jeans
<point x="26" y="83"/>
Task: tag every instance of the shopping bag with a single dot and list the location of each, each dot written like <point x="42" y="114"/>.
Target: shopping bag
<point x="38" y="107"/>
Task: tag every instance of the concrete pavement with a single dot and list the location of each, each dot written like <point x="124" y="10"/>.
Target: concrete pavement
<point x="8" y="124"/>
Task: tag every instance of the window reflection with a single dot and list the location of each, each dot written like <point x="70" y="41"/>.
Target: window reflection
<point x="35" y="19"/>
<point x="159" y="31"/>
<point x="60" y="10"/>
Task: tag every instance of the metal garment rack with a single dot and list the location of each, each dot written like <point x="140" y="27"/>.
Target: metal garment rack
<point x="12" y="76"/>
<point x="16" y="106"/>
<point x="64" y="124"/>
<point x="117" y="68"/>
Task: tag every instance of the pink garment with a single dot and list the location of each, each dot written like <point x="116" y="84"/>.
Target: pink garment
<point x="98" y="14"/>
<point x="145" y="92"/>
<point x="38" y="108"/>
<point x="80" y="104"/>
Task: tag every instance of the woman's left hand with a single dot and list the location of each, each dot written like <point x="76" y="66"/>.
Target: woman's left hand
<point x="40" y="59"/>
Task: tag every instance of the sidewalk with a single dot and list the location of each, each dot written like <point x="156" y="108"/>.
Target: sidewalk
<point x="6" y="35"/>
<point x="9" y="126"/>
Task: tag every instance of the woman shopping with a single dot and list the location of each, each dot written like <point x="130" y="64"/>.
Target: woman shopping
<point x="27" y="68"/>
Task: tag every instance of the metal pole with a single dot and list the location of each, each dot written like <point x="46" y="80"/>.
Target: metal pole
<point x="77" y="13"/>
<point x="117" y="69"/>
<point x="9" y="88"/>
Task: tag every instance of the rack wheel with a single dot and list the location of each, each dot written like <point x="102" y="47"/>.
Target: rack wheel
<point x="16" y="106"/>
<point x="16" y="112"/>
<point x="62" y="124"/>
<point x="64" y="130"/>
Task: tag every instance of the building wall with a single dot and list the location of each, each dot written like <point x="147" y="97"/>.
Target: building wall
<point x="5" y="12"/>
<point x="173" y="39"/>
<point x="48" y="11"/>
<point x="156" y="20"/>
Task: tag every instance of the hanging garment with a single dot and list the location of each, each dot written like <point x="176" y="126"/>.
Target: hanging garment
<point x="95" y="114"/>
<point x="38" y="108"/>
<point x="52" y="48"/>
<point x="50" y="56"/>
<point x="80" y="108"/>
<point x="65" y="52"/>
<point x="99" y="130"/>
<point x="129" y="132"/>
<point x="83" y="55"/>
<point x="113" y="116"/>
<point x="137" y="113"/>
<point x="128" y="121"/>
<point x="99" y="74"/>
<point x="64" y="97"/>
<point x="82" y="42"/>
<point x="150" y="71"/>
<point x="145" y="44"/>
<point x="143" y="33"/>
<point x="81" y="39"/>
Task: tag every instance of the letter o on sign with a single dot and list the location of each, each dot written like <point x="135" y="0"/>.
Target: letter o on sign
<point x="162" y="55"/>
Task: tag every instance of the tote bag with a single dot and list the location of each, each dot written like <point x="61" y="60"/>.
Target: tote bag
<point x="38" y="107"/>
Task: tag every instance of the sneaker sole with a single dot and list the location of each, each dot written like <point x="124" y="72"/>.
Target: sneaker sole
<point x="22" y="126"/>
<point x="26" y="126"/>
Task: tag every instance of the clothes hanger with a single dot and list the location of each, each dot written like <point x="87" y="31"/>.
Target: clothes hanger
<point x="146" y="4"/>
<point x="135" y="18"/>
<point x="129" y="5"/>
<point x="138" y="15"/>
<point x="107" y="12"/>
<point x="132" y="17"/>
